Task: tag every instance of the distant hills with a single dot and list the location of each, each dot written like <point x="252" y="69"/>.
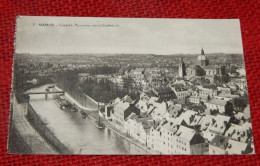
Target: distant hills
<point x="87" y="57"/>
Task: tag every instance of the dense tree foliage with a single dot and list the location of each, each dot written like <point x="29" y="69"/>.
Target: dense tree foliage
<point x="239" y="104"/>
<point x="221" y="79"/>
<point x="104" y="90"/>
<point x="99" y="70"/>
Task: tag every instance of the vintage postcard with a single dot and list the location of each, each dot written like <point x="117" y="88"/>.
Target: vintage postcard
<point x="129" y="86"/>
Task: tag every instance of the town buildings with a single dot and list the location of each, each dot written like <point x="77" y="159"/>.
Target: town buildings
<point x="191" y="113"/>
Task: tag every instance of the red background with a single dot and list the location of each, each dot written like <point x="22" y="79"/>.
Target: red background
<point x="246" y="11"/>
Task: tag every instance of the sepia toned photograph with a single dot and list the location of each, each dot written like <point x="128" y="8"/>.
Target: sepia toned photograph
<point x="129" y="86"/>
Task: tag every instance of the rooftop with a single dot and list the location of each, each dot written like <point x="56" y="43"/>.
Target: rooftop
<point x="122" y="106"/>
<point x="217" y="102"/>
<point x="127" y="99"/>
<point x="179" y="87"/>
<point x="162" y="89"/>
<point x="185" y="133"/>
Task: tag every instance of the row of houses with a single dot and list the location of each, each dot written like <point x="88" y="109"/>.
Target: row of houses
<point x="170" y="128"/>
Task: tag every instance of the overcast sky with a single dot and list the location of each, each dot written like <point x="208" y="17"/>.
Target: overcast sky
<point x="141" y="36"/>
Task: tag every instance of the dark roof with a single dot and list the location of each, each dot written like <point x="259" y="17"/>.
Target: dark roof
<point x="219" y="141"/>
<point x="179" y="87"/>
<point x="162" y="89"/>
<point x="149" y="93"/>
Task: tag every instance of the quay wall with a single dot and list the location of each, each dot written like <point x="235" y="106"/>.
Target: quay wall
<point x="45" y="132"/>
<point x="16" y="142"/>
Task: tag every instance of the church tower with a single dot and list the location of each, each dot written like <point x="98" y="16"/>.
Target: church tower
<point x="202" y="52"/>
<point x="182" y="69"/>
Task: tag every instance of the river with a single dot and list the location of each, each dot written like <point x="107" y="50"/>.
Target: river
<point x="80" y="135"/>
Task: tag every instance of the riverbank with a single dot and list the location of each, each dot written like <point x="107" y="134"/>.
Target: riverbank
<point x="147" y="149"/>
<point x="95" y="116"/>
<point x="73" y="100"/>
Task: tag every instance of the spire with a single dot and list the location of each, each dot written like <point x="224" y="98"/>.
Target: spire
<point x="202" y="51"/>
<point x="182" y="68"/>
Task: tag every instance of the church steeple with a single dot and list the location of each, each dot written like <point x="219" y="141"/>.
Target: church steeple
<point x="182" y="68"/>
<point x="202" y="51"/>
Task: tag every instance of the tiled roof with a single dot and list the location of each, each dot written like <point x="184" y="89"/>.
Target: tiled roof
<point x="221" y="124"/>
<point x="185" y="133"/>
<point x="217" y="102"/>
<point x="237" y="132"/>
<point x="229" y="145"/>
<point x="206" y="122"/>
<point x="170" y="126"/>
<point x="196" y="120"/>
<point x="127" y="99"/>
<point x="186" y="116"/>
<point x="122" y="106"/>
<point x="235" y="147"/>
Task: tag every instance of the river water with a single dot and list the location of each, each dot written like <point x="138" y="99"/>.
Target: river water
<point x="80" y="135"/>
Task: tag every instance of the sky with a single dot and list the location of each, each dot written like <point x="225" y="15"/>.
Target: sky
<point x="79" y="35"/>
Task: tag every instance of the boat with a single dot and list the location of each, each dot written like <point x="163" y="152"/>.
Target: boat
<point x="99" y="125"/>
<point x="83" y="114"/>
<point x="73" y="107"/>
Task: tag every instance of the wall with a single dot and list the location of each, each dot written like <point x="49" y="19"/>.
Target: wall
<point x="16" y="142"/>
<point x="39" y="125"/>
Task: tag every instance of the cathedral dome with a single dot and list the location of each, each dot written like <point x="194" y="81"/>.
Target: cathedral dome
<point x="202" y="57"/>
<point x="202" y="60"/>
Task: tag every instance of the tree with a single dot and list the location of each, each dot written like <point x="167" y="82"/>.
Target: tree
<point x="229" y="109"/>
<point x="239" y="104"/>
